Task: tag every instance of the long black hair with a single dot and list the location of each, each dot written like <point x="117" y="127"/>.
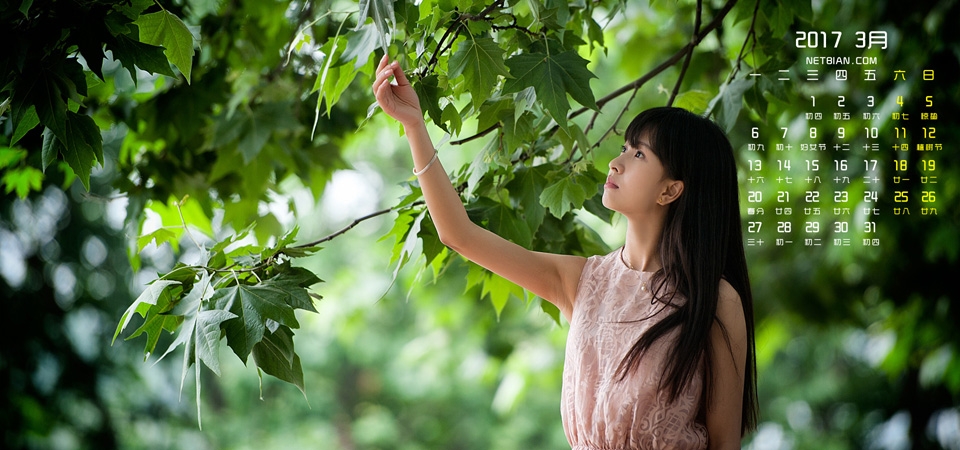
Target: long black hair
<point x="702" y="243"/>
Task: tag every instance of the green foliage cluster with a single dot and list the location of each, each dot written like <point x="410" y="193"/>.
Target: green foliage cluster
<point x="244" y="294"/>
<point x="46" y="83"/>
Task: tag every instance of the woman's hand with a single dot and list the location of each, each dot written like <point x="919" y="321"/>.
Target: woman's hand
<point x="397" y="100"/>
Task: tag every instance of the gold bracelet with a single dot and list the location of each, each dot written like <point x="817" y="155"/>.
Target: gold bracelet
<point x="424" y="169"/>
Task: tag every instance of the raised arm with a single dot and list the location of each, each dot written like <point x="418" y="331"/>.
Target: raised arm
<point x="552" y="277"/>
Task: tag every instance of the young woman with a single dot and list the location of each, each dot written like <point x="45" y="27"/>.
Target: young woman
<point x="660" y="352"/>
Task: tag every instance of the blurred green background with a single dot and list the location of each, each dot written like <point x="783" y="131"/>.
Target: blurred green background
<point x="857" y="347"/>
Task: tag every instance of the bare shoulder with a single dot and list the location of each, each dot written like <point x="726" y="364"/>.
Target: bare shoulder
<point x="729" y="297"/>
<point x="730" y="311"/>
<point x="569" y="267"/>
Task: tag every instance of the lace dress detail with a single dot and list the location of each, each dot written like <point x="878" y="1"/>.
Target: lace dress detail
<point x="610" y="313"/>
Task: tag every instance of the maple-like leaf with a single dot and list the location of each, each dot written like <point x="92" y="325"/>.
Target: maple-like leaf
<point x="147" y="300"/>
<point x="82" y="145"/>
<point x="552" y="76"/>
<point x="526" y="187"/>
<point x="275" y="356"/>
<point x="381" y="11"/>
<point x="200" y="337"/>
<point x="253" y="305"/>
<point x="165" y="29"/>
<point x="563" y="196"/>
<point x="480" y="61"/>
<point x="132" y="54"/>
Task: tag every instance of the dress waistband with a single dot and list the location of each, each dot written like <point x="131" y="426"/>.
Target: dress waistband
<point x="595" y="447"/>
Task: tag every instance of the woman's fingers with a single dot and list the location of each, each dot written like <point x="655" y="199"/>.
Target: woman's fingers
<point x="383" y="63"/>
<point x="399" y="75"/>
<point x="393" y="98"/>
<point x="383" y="77"/>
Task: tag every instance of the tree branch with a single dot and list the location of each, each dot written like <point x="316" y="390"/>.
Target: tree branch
<point x="356" y="222"/>
<point x="686" y="61"/>
<point x="617" y="120"/>
<point x="664" y="65"/>
<point x="636" y="84"/>
<point x="457" y="26"/>
<point x="751" y="37"/>
<point x="434" y="59"/>
<point x="479" y="135"/>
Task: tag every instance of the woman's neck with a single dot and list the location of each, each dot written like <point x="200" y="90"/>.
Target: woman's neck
<point x="641" y="248"/>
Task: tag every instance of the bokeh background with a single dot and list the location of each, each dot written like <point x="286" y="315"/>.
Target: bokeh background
<point x="856" y="347"/>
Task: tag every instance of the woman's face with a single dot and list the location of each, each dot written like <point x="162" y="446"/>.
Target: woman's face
<point x="636" y="181"/>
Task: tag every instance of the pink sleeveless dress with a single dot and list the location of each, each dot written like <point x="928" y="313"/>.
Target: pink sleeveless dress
<point x="600" y="412"/>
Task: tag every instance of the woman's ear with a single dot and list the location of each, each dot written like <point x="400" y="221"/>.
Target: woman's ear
<point x="671" y="192"/>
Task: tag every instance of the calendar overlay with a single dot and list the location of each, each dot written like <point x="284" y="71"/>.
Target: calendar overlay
<point x="824" y="178"/>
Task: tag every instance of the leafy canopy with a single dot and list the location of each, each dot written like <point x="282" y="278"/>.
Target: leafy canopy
<point x="92" y="88"/>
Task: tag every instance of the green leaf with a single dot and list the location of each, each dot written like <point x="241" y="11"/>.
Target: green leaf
<point x="275" y="355"/>
<point x="25" y="7"/>
<point x="551" y="311"/>
<point x="23" y="180"/>
<point x="50" y="148"/>
<point x="170" y="215"/>
<point x="731" y="101"/>
<point x="153" y="326"/>
<point x="10" y="156"/>
<point x="451" y="116"/>
<point x="208" y="336"/>
<point x="383" y="18"/>
<point x="288" y="288"/>
<point x="526" y="187"/>
<point x="563" y="196"/>
<point x="518" y="133"/>
<point x="82" y="145"/>
<point x="83" y="130"/>
<point x="133" y="54"/>
<point x="406" y="231"/>
<point x="50" y="106"/>
<point x="493" y="111"/>
<point x="428" y="92"/>
<point x="361" y="43"/>
<point x="27" y="122"/>
<point x="132" y="8"/>
<point x="147" y="300"/>
<point x="499" y="290"/>
<point x="431" y="240"/>
<point x="480" y="61"/>
<point x="695" y="101"/>
<point x="253" y="305"/>
<point x="333" y="80"/>
<point x="297" y="276"/>
<point x="158" y="237"/>
<point x="502" y="220"/>
<point x="167" y="30"/>
<point x="200" y="337"/>
<point x="552" y="76"/>
<point x="190" y="303"/>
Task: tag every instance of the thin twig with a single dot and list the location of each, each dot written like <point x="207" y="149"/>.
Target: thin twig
<point x="751" y="37"/>
<point x="356" y="222"/>
<point x="476" y="136"/>
<point x="434" y="59"/>
<point x="514" y="26"/>
<point x="686" y="61"/>
<point x="616" y="121"/>
<point x="184" y="222"/>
